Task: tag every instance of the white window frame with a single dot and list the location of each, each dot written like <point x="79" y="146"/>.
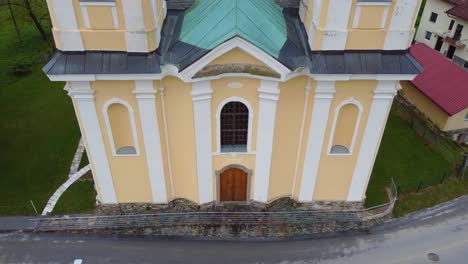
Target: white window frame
<point x="356" y="129"/>
<point x="131" y="114"/>
<point x="218" y="125"/>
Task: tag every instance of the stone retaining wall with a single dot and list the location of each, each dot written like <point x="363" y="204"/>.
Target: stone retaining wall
<point x="282" y="218"/>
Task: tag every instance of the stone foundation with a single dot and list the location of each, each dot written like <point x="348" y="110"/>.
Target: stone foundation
<point x="183" y="205"/>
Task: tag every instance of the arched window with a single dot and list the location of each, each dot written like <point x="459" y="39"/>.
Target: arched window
<point x="345" y="127"/>
<point x="234" y="127"/>
<point x="120" y="122"/>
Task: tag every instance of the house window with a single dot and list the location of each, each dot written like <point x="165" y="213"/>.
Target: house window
<point x="121" y="129"/>
<point x="428" y="35"/>
<point x="234" y="127"/>
<point x="345" y="127"/>
<point x="466" y="117"/>
<point x="452" y="23"/>
<point x="433" y="17"/>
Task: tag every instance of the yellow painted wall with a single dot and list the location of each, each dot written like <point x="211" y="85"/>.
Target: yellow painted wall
<point x="130" y="174"/>
<point x="162" y="133"/>
<point x="236" y="56"/>
<point x="288" y="122"/>
<point x="120" y="126"/>
<point x="336" y="172"/>
<point x="363" y="39"/>
<point x="345" y="126"/>
<point x="308" y="119"/>
<point x="100" y="17"/>
<point x="432" y="110"/>
<point x="457" y="121"/>
<point x="371" y="17"/>
<point x="424" y="104"/>
<point x="104" y="40"/>
<point x="179" y="110"/>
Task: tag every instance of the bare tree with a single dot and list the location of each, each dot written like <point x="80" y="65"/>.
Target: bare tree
<point x="26" y="6"/>
<point x="13" y="18"/>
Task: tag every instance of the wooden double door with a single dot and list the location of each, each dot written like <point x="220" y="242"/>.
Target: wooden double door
<point x="233" y="185"/>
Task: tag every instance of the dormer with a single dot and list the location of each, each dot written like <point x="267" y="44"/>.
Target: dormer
<point x="110" y="25"/>
<point x="359" y="24"/>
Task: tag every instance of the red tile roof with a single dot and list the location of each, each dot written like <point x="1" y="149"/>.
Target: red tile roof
<point x="444" y="82"/>
<point x="459" y="10"/>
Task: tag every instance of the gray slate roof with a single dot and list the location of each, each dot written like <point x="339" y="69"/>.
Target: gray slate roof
<point x="294" y="54"/>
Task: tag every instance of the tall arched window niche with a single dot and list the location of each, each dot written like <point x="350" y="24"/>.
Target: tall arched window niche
<point x="345" y="127"/>
<point x="121" y="129"/>
<point x="234" y="120"/>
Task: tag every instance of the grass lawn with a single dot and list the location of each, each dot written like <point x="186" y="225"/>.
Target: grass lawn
<point x="406" y="158"/>
<point x="38" y="129"/>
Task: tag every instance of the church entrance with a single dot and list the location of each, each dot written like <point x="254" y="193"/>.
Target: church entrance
<point x="233" y="185"/>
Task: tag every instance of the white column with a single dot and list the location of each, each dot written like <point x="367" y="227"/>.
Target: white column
<point x="135" y="35"/>
<point x="146" y="97"/>
<point x="268" y="98"/>
<point x="201" y="93"/>
<point x="83" y="97"/>
<point x="336" y="29"/>
<point x="67" y="26"/>
<point x="376" y="122"/>
<point x="324" y="95"/>
<point x="401" y="30"/>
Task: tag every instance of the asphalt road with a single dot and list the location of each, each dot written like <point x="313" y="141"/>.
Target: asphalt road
<point x="442" y="231"/>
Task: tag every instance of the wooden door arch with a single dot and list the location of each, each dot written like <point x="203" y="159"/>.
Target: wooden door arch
<point x="234" y="184"/>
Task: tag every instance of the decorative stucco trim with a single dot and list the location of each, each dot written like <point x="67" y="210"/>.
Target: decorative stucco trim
<point x="383" y="98"/>
<point x="201" y="95"/>
<point x="233" y="166"/>
<point x="358" y="104"/>
<point x="131" y="114"/>
<point x="218" y="121"/>
<point x="268" y="98"/>
<point x="83" y="98"/>
<point x="222" y="49"/>
<point x="166" y="134"/>
<point x="324" y="95"/>
<point x="146" y="97"/>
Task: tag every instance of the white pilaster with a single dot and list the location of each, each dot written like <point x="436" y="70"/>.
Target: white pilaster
<point x="67" y="26"/>
<point x="146" y="97"/>
<point x="136" y="37"/>
<point x="268" y="99"/>
<point x="83" y="97"/>
<point x="336" y="30"/>
<point x="376" y="122"/>
<point x="401" y="28"/>
<point x="201" y="94"/>
<point x="324" y="95"/>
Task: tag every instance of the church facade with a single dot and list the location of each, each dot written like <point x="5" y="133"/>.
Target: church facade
<point x="232" y="100"/>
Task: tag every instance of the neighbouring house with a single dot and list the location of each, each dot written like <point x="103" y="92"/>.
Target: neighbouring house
<point x="440" y="92"/>
<point x="444" y="27"/>
<point x="232" y="100"/>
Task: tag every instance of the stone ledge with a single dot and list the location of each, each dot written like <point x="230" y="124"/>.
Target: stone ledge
<point x="183" y="205"/>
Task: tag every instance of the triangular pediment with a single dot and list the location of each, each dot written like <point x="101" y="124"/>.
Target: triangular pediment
<point x="236" y="56"/>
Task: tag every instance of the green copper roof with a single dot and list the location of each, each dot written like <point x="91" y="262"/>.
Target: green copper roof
<point x="209" y="23"/>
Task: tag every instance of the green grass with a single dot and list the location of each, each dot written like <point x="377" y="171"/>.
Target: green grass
<point x="80" y="197"/>
<point x="38" y="129"/>
<point x="431" y="196"/>
<point x="406" y="158"/>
